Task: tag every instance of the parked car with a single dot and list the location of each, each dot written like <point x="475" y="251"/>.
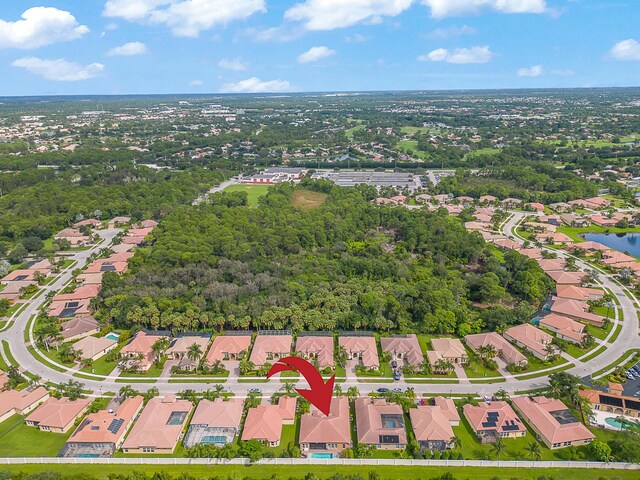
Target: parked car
<point x="637" y="394"/>
<point x="383" y="390"/>
<point x="394" y="364"/>
<point x="255" y="390"/>
<point x="397" y="390"/>
<point x="397" y="376"/>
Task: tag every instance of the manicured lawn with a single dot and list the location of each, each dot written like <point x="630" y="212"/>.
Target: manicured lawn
<point x="478" y="370"/>
<point x="288" y="436"/>
<point x="576" y="352"/>
<point x="537" y="364"/>
<point x="19" y="440"/>
<point x="349" y="133"/>
<point x="308" y="199"/>
<point x="101" y="366"/>
<point x="600" y="333"/>
<point x="259" y="472"/>
<point x="253" y="191"/>
<point x="154" y="372"/>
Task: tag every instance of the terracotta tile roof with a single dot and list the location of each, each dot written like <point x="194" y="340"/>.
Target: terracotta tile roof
<point x="233" y="344"/>
<point x="154" y="428"/>
<point x="448" y="408"/>
<point x="58" y="413"/>
<point x="316" y="427"/>
<point x="86" y="292"/>
<point x="578" y="293"/>
<point x="531" y="337"/>
<point x="406" y="345"/>
<point x="365" y="347"/>
<point x="429" y="424"/>
<point x="448" y="348"/>
<point x="574" y="308"/>
<point x="266" y="345"/>
<point x="543" y="413"/>
<point x="265" y="421"/>
<point x="371" y="423"/>
<point x="181" y="344"/>
<point x="320" y="347"/>
<point x="91" y="346"/>
<point x="99" y="427"/>
<point x="503" y="418"/>
<point x="508" y="352"/>
<point x="567" y="278"/>
<point x="564" y="326"/>
<point x="79" y="326"/>
<point x="20" y="400"/>
<point x="219" y="413"/>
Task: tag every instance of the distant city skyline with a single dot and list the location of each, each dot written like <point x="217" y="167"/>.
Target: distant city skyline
<point x="112" y="47"/>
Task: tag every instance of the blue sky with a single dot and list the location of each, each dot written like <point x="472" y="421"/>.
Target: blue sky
<point x="208" y="46"/>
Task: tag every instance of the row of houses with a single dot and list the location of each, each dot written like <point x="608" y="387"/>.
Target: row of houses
<point x="158" y="426"/>
<point x="17" y="281"/>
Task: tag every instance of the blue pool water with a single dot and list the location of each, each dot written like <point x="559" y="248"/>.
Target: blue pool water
<point x="623" y="242"/>
<point x="216" y="439"/>
<point x="616" y="424"/>
<point x="321" y="455"/>
<point x="113" y="336"/>
<point x="87" y="455"/>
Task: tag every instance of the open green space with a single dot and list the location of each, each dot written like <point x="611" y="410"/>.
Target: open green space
<point x="254" y="192"/>
<point x="259" y="472"/>
<point x="308" y="199"/>
<point x="577" y="234"/>
<point x="19" y="440"/>
<point x="349" y="132"/>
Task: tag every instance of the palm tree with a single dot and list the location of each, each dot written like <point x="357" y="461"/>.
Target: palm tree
<point x="456" y="442"/>
<point x="194" y="352"/>
<point x="127" y="391"/>
<point x="353" y="393"/>
<point x="499" y="447"/>
<point x="534" y="450"/>
<point x="246" y="366"/>
<point x="159" y="347"/>
<point x="426" y="366"/>
<point x="341" y="356"/>
<point x="444" y="367"/>
<point x="502" y="394"/>
<point x="288" y="388"/>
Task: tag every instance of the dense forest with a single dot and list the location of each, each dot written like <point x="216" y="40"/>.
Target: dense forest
<point x="347" y="264"/>
<point x="38" y="203"/>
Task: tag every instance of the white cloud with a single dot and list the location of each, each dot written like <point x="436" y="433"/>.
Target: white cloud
<point x="566" y="72"/>
<point x="255" y="85"/>
<point x="315" y="53"/>
<point x="274" y="34"/>
<point x="534" y="71"/>
<point x="40" y="26"/>
<point x="454" y="8"/>
<point x="480" y="54"/>
<point x="453" y="31"/>
<point x="626" y="50"/>
<point x="196" y="83"/>
<point x="130" y="49"/>
<point x="59" y="70"/>
<point x="185" y="18"/>
<point x="357" y="38"/>
<point x="332" y="14"/>
<point x="235" y="65"/>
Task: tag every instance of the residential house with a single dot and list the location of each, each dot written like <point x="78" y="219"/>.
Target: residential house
<point x="79" y="327"/>
<point x="361" y="348"/>
<point x="536" y="207"/>
<point x="119" y="222"/>
<point x="89" y="223"/>
<point x="139" y="351"/>
<point x="317" y="348"/>
<point x="93" y="348"/>
<point x="75" y="237"/>
<point x="21" y="402"/>
<point x="380" y="424"/>
<point x="89" y="279"/>
<point x="13" y="291"/>
<point x="179" y="349"/>
<point x="503" y="348"/>
<point x="552" y="264"/>
<point x="228" y="347"/>
<point x="431" y="428"/>
<point x="264" y="422"/>
<point x="612" y="402"/>
<point x="576" y="310"/>
<point x="537" y="342"/>
<point x="564" y="328"/>
<point x="494" y="420"/>
<point x="591" y="247"/>
<point x="507" y="244"/>
<point x="552" y="421"/>
<point x="573" y="220"/>
<point x="404" y="348"/>
<point x="568" y="278"/>
<point x="73" y="304"/>
<point x="326" y="434"/>
<point x="58" y="415"/>
<point x="215" y="422"/>
<point x="554" y="220"/>
<point x="448" y="349"/>
<point x="487" y="199"/>
<point x="270" y="348"/>
<point x="534" y="253"/>
<point x="556" y="238"/>
<point x="581" y="294"/>
<point x="21" y="276"/>
<point x="147" y="224"/>
<point x="100" y="434"/>
<point x="159" y="426"/>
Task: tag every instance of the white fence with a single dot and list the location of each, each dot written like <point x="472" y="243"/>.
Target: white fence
<point x="345" y="462"/>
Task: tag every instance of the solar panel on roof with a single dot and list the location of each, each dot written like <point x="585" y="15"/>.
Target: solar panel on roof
<point x="511" y="428"/>
<point x="489" y="424"/>
<point x="613" y="401"/>
<point x="115" y="425"/>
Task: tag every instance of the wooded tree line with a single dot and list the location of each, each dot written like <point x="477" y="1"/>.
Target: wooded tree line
<point x="348" y="265"/>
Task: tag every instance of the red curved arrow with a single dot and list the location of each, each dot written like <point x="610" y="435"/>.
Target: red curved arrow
<point x="320" y="392"/>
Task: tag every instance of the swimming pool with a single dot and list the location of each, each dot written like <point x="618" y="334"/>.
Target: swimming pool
<point x="321" y="455"/>
<point x="615" y="423"/>
<point x="113" y="336"/>
<point x="214" y="439"/>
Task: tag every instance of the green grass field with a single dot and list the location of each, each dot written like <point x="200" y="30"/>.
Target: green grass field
<point x="320" y="471"/>
<point x="349" y="132"/>
<point x="308" y="199"/>
<point x="253" y="191"/>
<point x="19" y="440"/>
